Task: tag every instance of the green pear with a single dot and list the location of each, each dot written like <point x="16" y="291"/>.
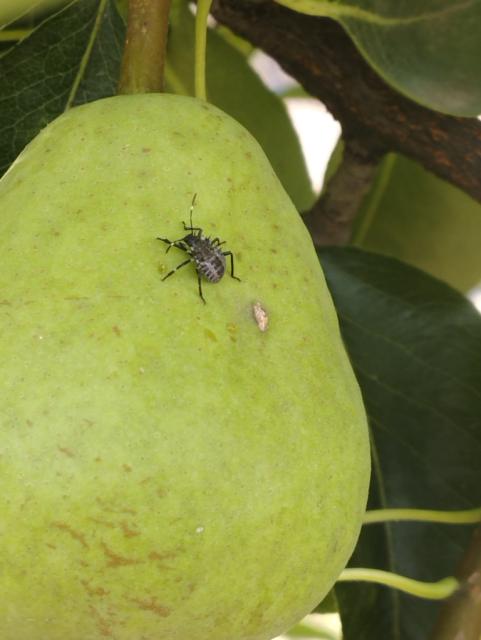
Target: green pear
<point x="169" y="469"/>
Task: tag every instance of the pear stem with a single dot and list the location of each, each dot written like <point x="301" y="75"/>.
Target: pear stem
<point x="428" y="590"/>
<point x="12" y="35"/>
<point x="203" y="8"/>
<point x="145" y="47"/>
<point x="468" y="516"/>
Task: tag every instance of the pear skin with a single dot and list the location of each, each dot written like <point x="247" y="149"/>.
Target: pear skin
<point x="170" y="469"/>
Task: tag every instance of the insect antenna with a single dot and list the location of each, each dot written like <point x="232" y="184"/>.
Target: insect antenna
<point x="192" y="209"/>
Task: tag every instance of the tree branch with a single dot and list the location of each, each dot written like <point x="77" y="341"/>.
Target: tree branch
<point x="331" y="219"/>
<point x="321" y="57"/>
<point x="460" y="617"/>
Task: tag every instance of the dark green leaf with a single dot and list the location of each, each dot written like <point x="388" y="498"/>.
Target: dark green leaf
<point x="73" y="57"/>
<point x="306" y="632"/>
<point x="234" y="87"/>
<point x="412" y="215"/>
<point x="428" y="50"/>
<point x="415" y="346"/>
<point x="329" y="604"/>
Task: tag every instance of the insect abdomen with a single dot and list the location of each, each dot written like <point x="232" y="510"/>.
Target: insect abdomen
<point x="213" y="268"/>
<point x="209" y="259"/>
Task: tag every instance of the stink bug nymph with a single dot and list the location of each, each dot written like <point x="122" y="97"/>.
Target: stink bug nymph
<point x="206" y="254"/>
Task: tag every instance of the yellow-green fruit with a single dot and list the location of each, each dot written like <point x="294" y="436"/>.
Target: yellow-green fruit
<point x="168" y="470"/>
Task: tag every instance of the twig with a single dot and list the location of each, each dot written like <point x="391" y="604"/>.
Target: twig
<point x="460" y="617"/>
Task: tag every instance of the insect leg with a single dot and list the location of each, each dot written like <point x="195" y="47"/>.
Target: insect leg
<point x="191" y="228"/>
<point x="199" y="280"/>
<point x="171" y="243"/>
<point x="182" y="264"/>
<point x="229" y="253"/>
<point x="174" y="243"/>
